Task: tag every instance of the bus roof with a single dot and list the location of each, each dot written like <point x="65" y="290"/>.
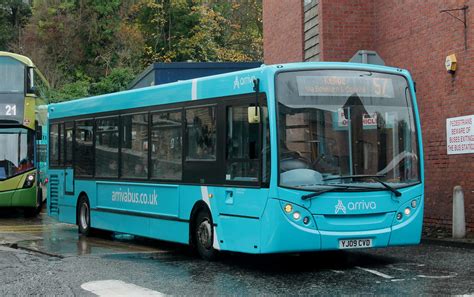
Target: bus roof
<point x="221" y="85"/>
<point x="25" y="60"/>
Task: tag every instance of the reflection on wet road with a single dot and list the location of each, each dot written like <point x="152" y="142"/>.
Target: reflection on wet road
<point x="44" y="234"/>
<point x="74" y="265"/>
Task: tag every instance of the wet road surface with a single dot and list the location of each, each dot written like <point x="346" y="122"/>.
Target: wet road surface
<point x="50" y="258"/>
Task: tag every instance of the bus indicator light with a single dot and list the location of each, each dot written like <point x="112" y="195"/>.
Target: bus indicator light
<point x="306" y="220"/>
<point x="288" y="208"/>
<point x="413" y="203"/>
<point x="399" y="216"/>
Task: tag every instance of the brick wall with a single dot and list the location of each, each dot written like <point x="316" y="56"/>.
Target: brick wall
<point x="346" y="27"/>
<point x="414" y="35"/>
<point x="410" y="34"/>
<point x="282" y="31"/>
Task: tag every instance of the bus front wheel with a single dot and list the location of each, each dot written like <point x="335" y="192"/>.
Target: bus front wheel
<point x="204" y="236"/>
<point x="84" y="216"/>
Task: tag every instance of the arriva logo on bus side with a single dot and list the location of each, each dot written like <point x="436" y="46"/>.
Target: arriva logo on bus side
<point x="242" y="81"/>
<point x="361" y="205"/>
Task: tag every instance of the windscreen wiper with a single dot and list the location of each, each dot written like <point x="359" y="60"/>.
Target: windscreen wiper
<point x="333" y="188"/>
<point x="374" y="177"/>
<point x="317" y="193"/>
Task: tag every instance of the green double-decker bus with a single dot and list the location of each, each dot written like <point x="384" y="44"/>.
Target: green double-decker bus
<point x="23" y="114"/>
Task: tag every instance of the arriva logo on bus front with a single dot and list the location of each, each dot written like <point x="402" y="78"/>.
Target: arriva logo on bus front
<point x="361" y="205"/>
<point x="242" y="81"/>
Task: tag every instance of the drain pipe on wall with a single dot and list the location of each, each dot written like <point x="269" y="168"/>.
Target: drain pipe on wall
<point x="459" y="221"/>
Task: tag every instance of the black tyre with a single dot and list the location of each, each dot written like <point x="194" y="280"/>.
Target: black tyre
<point x="84" y="216"/>
<point x="204" y="236"/>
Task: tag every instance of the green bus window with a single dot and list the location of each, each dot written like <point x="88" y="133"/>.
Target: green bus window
<point x="134" y="153"/>
<point x="201" y="134"/>
<point x="17" y="150"/>
<point x="84" y="149"/>
<point x="12" y="73"/>
<point x="166" y="145"/>
<point x="106" y="147"/>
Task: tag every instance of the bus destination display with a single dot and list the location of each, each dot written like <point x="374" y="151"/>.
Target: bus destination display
<point x="8" y="110"/>
<point x="345" y="86"/>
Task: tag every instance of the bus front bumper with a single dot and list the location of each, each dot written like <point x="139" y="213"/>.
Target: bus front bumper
<point x="19" y="198"/>
<point x="281" y="233"/>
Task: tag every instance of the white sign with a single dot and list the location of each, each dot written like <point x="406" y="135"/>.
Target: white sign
<point x="460" y="135"/>
<point x="368" y="120"/>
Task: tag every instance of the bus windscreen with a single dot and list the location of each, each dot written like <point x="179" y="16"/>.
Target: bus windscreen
<point x="338" y="123"/>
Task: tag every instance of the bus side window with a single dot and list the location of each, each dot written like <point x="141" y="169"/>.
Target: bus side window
<point x="167" y="145"/>
<point x="53" y="145"/>
<point x="106" y="147"/>
<point x="201" y="134"/>
<point x="84" y="149"/>
<point x="242" y="143"/>
<point x="61" y="145"/>
<point x="134" y="153"/>
<point x="69" y="127"/>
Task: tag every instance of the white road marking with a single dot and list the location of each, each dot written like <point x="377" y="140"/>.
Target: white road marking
<point x="337" y="271"/>
<point x="437" y="276"/>
<point x="118" y="288"/>
<point x="386" y="276"/>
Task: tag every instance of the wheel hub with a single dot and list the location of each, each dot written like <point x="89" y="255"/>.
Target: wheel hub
<point x="205" y="234"/>
<point x="84" y="218"/>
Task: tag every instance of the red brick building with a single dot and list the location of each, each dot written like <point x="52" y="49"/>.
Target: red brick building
<point x="411" y="34"/>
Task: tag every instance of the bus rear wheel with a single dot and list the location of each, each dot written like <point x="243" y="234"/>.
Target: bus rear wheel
<point x="84" y="216"/>
<point x="204" y="236"/>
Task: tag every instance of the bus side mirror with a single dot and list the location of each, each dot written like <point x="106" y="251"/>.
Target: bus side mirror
<point x="31" y="88"/>
<point x="253" y="114"/>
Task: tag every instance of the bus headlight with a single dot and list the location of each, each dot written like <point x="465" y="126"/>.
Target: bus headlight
<point x="30" y="180"/>
<point x="407" y="211"/>
<point x="413" y="203"/>
<point x="296" y="215"/>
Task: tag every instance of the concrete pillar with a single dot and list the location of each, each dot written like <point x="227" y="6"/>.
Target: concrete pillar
<point x="459" y="222"/>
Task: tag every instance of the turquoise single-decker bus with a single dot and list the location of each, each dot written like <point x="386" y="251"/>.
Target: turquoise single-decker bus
<point x="278" y="159"/>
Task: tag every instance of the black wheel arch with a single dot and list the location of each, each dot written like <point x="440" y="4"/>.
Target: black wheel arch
<point x="198" y="206"/>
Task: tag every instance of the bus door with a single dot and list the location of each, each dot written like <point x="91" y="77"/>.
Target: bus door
<point x="246" y="167"/>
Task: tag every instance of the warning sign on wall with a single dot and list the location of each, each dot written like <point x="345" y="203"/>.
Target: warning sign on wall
<point x="460" y="135"/>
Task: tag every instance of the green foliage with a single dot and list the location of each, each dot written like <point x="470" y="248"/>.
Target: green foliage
<point x="91" y="47"/>
<point x="118" y="80"/>
<point x="14" y="15"/>
<point x="74" y="90"/>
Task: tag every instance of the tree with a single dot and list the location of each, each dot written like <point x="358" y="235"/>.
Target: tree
<point x="200" y="30"/>
<point x="14" y="16"/>
<point x="88" y="47"/>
